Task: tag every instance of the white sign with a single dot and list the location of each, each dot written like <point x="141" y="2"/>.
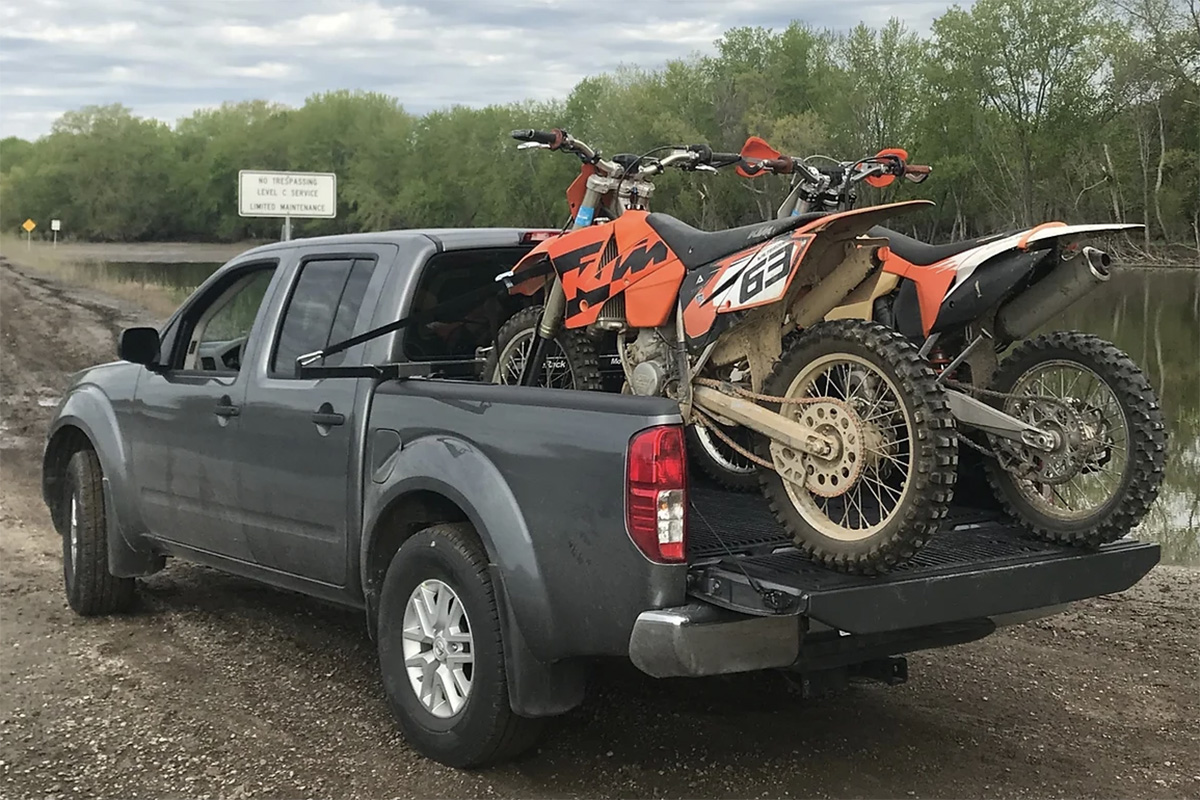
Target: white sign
<point x="56" y="224"/>
<point x="287" y="194"/>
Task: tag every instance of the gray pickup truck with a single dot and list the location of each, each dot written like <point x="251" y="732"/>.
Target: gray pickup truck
<point x="499" y="539"/>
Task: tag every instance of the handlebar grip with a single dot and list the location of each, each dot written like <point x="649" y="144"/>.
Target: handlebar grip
<point x="724" y="159"/>
<point x="780" y="166"/>
<point x="917" y="169"/>
<point x="553" y="138"/>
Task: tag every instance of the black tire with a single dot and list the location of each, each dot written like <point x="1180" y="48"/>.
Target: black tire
<point x="741" y="480"/>
<point x="578" y="348"/>
<point x="934" y="457"/>
<point x="485" y="730"/>
<point x="1146" y="446"/>
<point x="91" y="589"/>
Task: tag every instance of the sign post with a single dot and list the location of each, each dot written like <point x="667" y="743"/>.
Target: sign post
<point x="56" y="226"/>
<point x="28" y="225"/>
<point x="263" y="193"/>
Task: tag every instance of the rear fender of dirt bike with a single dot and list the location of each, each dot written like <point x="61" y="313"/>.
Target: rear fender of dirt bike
<point x="934" y="299"/>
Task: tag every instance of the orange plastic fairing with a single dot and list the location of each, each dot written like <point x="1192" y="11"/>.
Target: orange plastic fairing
<point x="754" y="150"/>
<point x="880" y="181"/>
<point x="932" y="282"/>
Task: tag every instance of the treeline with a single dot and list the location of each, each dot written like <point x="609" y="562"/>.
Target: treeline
<point x="1029" y="110"/>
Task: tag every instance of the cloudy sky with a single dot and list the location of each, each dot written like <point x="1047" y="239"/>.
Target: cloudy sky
<point x="165" y="58"/>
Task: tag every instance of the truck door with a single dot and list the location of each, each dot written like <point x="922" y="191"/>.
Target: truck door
<point x="298" y="458"/>
<point x="186" y="416"/>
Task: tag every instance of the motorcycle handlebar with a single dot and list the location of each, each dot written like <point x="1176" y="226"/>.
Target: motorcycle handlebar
<point x="917" y="169"/>
<point x="552" y="138"/>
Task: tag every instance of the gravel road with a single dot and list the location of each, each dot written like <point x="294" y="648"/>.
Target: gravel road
<point x="219" y="688"/>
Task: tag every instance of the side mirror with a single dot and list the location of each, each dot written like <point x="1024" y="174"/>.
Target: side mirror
<point x="139" y="345"/>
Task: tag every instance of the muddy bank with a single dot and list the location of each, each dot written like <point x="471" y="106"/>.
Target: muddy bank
<point x="219" y="687"/>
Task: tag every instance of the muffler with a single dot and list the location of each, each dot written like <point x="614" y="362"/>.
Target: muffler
<point x="1066" y="284"/>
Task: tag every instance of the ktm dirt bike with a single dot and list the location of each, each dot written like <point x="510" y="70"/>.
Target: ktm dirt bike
<point x="1070" y="430"/>
<point x="849" y="420"/>
<point x="603" y="190"/>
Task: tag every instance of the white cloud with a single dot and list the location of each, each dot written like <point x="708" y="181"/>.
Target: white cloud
<point x="165" y="58"/>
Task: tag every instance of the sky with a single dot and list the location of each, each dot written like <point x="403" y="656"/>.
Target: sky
<point x="167" y="58"/>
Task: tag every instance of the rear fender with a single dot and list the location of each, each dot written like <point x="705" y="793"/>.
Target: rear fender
<point x="462" y="474"/>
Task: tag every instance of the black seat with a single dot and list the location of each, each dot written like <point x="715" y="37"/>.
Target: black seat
<point x="914" y="251"/>
<point x="696" y="248"/>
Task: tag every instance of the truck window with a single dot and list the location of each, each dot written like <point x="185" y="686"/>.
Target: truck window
<point x="322" y="309"/>
<point x="457" y="332"/>
<point x="219" y="324"/>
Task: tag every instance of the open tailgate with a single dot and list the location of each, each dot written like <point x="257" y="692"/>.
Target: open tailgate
<point x="979" y="565"/>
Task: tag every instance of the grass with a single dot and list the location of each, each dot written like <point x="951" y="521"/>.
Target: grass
<point x="160" y="300"/>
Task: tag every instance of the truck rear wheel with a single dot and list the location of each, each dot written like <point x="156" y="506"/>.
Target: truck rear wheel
<point x="91" y="589"/>
<point x="441" y="654"/>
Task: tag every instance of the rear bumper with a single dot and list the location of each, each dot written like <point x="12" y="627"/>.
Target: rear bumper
<point x="830" y="619"/>
<point x="700" y="639"/>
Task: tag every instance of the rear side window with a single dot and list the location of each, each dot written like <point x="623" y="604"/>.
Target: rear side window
<point x="322" y="310"/>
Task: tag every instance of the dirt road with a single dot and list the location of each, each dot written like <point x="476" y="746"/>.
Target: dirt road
<point x="220" y="688"/>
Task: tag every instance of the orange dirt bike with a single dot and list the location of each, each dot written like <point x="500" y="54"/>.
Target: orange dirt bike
<point x="604" y="189"/>
<point x="850" y="422"/>
<point x="576" y="359"/>
<point x="1070" y="430"/>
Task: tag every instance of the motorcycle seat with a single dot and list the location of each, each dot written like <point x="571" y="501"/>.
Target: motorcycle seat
<point x="914" y="251"/>
<point x="695" y="247"/>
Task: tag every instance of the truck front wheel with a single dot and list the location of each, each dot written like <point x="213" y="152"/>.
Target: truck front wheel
<point x="441" y="653"/>
<point x="91" y="589"/>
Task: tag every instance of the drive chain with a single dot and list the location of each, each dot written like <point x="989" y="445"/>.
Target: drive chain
<point x="709" y="423"/>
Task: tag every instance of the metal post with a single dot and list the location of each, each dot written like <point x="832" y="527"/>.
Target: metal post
<point x="55" y="245"/>
<point x="28" y="240"/>
<point x="287" y="229"/>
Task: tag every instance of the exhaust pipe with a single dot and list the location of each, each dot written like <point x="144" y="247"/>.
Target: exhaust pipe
<point x="1066" y="284"/>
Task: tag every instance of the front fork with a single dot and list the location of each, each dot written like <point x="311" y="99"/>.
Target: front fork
<point x="555" y="307"/>
<point x="548" y="327"/>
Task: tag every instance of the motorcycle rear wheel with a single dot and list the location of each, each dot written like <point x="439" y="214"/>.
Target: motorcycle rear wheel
<point x="885" y="491"/>
<point x="1115" y="484"/>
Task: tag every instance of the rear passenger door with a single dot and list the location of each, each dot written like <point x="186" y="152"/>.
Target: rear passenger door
<point x="298" y="459"/>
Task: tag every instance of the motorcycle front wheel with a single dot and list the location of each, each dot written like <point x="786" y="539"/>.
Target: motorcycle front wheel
<point x="571" y="361"/>
<point x="1107" y="466"/>
<point x="884" y="490"/>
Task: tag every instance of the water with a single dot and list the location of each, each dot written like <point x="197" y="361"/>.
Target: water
<point x="179" y="278"/>
<point x="1151" y="314"/>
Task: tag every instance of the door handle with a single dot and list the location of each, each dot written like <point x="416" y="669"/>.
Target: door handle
<point x="325" y="415"/>
<point x="226" y="408"/>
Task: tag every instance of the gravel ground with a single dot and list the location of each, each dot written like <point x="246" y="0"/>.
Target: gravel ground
<point x="217" y="687"/>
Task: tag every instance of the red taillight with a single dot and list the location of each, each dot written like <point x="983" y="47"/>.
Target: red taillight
<point x="656" y="503"/>
<point x="529" y="237"/>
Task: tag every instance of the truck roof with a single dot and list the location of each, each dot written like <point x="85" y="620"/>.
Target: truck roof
<point x="444" y="238"/>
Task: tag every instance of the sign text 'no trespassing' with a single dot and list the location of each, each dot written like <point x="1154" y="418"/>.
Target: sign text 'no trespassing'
<point x="287" y="194"/>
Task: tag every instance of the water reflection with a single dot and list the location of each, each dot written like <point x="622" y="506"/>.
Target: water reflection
<point x="1154" y="316"/>
<point x="1151" y="314"/>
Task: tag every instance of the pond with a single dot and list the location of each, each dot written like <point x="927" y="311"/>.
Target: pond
<point x="1151" y="314"/>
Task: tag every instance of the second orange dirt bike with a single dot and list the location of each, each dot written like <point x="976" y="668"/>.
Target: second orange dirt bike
<point x="1070" y="430"/>
<point x="854" y="430"/>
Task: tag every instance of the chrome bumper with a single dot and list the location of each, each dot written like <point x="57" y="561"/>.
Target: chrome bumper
<point x="701" y="639"/>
